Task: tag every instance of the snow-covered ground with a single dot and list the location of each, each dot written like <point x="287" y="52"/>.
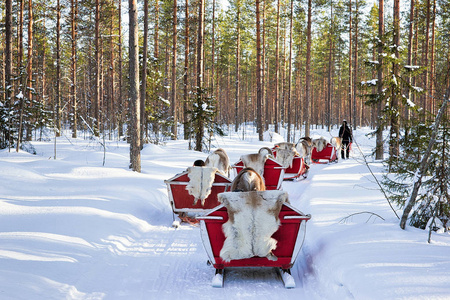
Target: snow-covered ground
<point x="71" y="228"/>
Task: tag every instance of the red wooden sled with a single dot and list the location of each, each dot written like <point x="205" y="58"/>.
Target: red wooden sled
<point x="327" y="155"/>
<point x="299" y="167"/>
<point x="182" y="202"/>
<point x="290" y="237"/>
<point x="273" y="173"/>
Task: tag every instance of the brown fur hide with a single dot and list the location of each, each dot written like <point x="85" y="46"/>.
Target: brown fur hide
<point x="248" y="180"/>
<point x="319" y="144"/>
<point x="255" y="161"/>
<point x="252" y="220"/>
<point x="219" y="159"/>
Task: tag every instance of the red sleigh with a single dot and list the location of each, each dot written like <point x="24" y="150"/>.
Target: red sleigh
<point x="290" y="236"/>
<point x="273" y="173"/>
<point x="182" y="202"/>
<point x="327" y="155"/>
<point x="298" y="168"/>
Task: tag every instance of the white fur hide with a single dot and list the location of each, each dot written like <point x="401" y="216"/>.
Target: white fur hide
<point x="214" y="160"/>
<point x="255" y="161"/>
<point x="201" y="180"/>
<point x="304" y="150"/>
<point x="285" y="157"/>
<point x="319" y="144"/>
<point x="253" y="219"/>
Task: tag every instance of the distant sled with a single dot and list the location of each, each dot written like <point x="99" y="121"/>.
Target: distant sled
<point x="327" y="155"/>
<point x="298" y="169"/>
<point x="289" y="236"/>
<point x="183" y="203"/>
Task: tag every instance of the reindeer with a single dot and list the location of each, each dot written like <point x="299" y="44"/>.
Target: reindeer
<point x="219" y="159"/>
<point x="248" y="180"/>
<point x="304" y="148"/>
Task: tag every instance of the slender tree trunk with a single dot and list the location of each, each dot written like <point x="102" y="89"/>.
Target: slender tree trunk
<point x="350" y="64"/>
<point x="96" y="125"/>
<point x="289" y="117"/>
<point x="135" y="147"/>
<point x="238" y="66"/>
<point x="330" y="68"/>
<point x="395" y="126"/>
<point x="308" y="71"/>
<point x="264" y="85"/>
<point x="58" y="69"/>
<point x="200" y="124"/>
<point x="409" y="60"/>
<point x="379" y="151"/>
<point x="8" y="64"/>
<point x="258" y="73"/>
<point x="143" y="90"/>
<point x="174" y="73"/>
<point x="112" y="101"/>
<point x="432" y="60"/>
<point x="186" y="72"/>
<point x="425" y="59"/>
<point x="73" y="87"/>
<point x="277" y="69"/>
<point x="29" y="69"/>
<point x="355" y="69"/>
<point x="120" y="100"/>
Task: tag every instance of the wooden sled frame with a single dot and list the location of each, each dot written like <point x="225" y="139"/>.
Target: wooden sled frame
<point x="290" y="236"/>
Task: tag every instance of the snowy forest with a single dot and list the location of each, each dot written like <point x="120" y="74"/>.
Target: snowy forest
<point x="104" y="102"/>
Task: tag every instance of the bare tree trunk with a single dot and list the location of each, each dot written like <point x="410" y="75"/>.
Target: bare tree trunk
<point x="144" y="73"/>
<point x="73" y="87"/>
<point x="330" y="69"/>
<point x="186" y="72"/>
<point x="277" y="68"/>
<point x="379" y="151"/>
<point x="308" y="71"/>
<point x="350" y="65"/>
<point x="355" y="70"/>
<point x="258" y="73"/>
<point x="238" y="66"/>
<point x="8" y="64"/>
<point x="120" y="100"/>
<point x="58" y="69"/>
<point x="289" y="115"/>
<point x="174" y="73"/>
<point x="424" y="162"/>
<point x="432" y="61"/>
<point x="409" y="60"/>
<point x="395" y="126"/>
<point x="135" y="147"/>
<point x="200" y="124"/>
<point x="96" y="125"/>
<point x="111" y="104"/>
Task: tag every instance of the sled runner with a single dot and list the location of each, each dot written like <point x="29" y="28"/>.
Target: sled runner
<point x="327" y="155"/>
<point x="273" y="173"/>
<point x="298" y="170"/>
<point x="289" y="237"/>
<point x="182" y="202"/>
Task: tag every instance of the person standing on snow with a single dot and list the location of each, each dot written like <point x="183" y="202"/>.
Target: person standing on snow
<point x="345" y="133"/>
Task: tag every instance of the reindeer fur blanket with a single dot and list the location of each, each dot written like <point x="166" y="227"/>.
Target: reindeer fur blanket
<point x="256" y="161"/>
<point x="286" y="157"/>
<point x="253" y="219"/>
<point x="201" y="180"/>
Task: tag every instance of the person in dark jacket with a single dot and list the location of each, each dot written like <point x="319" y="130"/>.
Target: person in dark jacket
<point x="345" y="133"/>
